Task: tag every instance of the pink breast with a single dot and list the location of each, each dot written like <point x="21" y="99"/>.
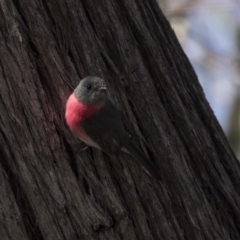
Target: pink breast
<point x="76" y="112"/>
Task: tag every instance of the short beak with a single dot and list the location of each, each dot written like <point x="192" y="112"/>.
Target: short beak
<point x="102" y="88"/>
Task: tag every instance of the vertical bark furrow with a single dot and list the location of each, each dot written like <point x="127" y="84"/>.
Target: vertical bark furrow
<point x="46" y="47"/>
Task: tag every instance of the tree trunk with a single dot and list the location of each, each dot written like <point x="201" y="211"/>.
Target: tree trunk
<point x="49" y="187"/>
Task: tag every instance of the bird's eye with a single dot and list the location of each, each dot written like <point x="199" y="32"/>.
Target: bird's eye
<point x="89" y="86"/>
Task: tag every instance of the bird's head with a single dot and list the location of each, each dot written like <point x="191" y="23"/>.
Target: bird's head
<point x="91" y="90"/>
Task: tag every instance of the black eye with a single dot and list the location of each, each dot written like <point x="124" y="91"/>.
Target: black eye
<point x="89" y="87"/>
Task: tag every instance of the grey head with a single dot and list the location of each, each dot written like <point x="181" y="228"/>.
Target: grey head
<point x="91" y="90"/>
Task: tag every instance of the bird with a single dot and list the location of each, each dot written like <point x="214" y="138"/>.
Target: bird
<point x="95" y="120"/>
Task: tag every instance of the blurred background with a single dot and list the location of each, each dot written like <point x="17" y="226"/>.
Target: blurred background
<point x="209" y="32"/>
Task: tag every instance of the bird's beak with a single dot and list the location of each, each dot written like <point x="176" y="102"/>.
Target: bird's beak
<point x="103" y="88"/>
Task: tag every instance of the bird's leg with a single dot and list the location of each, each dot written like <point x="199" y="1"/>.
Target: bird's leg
<point x="83" y="149"/>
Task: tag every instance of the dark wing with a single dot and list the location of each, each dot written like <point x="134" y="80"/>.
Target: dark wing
<point x="106" y="129"/>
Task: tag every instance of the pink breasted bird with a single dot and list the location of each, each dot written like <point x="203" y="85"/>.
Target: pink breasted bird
<point x="94" y="119"/>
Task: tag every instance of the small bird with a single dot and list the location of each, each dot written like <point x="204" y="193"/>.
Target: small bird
<point x="94" y="119"/>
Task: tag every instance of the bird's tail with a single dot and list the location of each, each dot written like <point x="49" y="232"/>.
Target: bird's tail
<point x="146" y="162"/>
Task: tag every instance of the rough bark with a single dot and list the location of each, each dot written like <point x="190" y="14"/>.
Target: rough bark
<point x="50" y="189"/>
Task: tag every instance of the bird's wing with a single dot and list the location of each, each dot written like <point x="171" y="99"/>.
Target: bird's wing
<point x="106" y="129"/>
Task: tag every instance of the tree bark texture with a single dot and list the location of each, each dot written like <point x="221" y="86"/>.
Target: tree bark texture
<point x="52" y="189"/>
